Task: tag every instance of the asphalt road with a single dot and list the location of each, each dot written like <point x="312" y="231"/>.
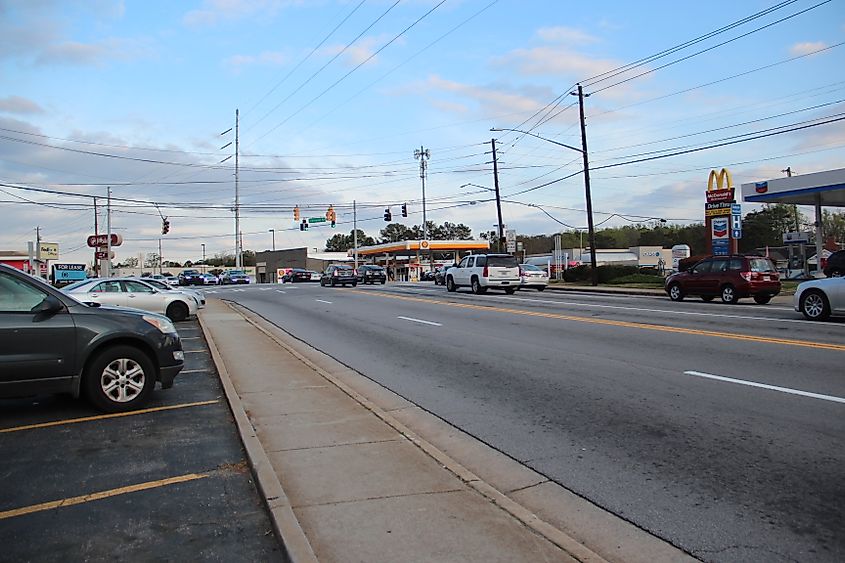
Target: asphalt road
<point x="167" y="483"/>
<point x="615" y="398"/>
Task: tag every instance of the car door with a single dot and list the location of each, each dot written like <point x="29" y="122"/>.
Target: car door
<point x="141" y="296"/>
<point x="107" y="292"/>
<point x="461" y="275"/>
<point x="33" y="345"/>
<point x="718" y="274"/>
<point x="836" y="295"/>
<point x="695" y="282"/>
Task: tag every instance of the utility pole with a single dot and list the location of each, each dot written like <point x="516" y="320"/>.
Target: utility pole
<point x="273" y="231"/>
<point x="355" y="232"/>
<point x="594" y="273"/>
<point x="498" y="200"/>
<point x="96" y="234"/>
<point x="204" y="265"/>
<point x="160" y="259"/>
<point x="423" y="154"/>
<point x="238" y="239"/>
<point x="108" y="232"/>
<point x="794" y="205"/>
<point x="38" y="243"/>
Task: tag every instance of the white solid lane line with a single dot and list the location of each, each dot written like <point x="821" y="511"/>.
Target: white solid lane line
<point x="323" y="301"/>
<point x="765" y="386"/>
<point x="280" y="291"/>
<point x="413" y="320"/>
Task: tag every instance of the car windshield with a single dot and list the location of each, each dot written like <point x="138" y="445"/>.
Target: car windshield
<point x="502" y="261"/>
<point x="236" y="273"/>
<point x="761" y="265"/>
<point x="373" y="268"/>
<point x="191" y="272"/>
<point x="157" y="284"/>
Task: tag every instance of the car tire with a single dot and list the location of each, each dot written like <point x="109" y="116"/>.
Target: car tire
<point x="333" y="282"/>
<point x="708" y="298"/>
<point x="476" y="287"/>
<point x="814" y="305"/>
<point x="510" y="290"/>
<point x="354" y="284"/>
<point x="728" y="294"/>
<point x="675" y="292"/>
<point x="541" y="288"/>
<point x="450" y="285"/>
<point x="382" y="282"/>
<point x="762" y="299"/>
<point x="118" y="379"/>
<point x="177" y="311"/>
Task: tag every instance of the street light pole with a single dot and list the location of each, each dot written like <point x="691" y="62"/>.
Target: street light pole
<point x="204" y="266"/>
<point x="274" y="238"/>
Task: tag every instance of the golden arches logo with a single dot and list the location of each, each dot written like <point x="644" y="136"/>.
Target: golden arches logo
<point x="717" y="181"/>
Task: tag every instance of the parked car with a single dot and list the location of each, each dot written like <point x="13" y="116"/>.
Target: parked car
<point x="210" y="279"/>
<point x="484" y="271"/>
<point x="301" y="275"/>
<point x="531" y="276"/>
<point x="190" y="277"/>
<point x="370" y="273"/>
<point x="134" y="293"/>
<point x="339" y="274"/>
<point x="193" y="293"/>
<point x="728" y="277"/>
<point x="440" y="274"/>
<point x="172" y="281"/>
<point x="234" y="277"/>
<point x="818" y="300"/>
<point x="52" y="343"/>
<point x="428" y="275"/>
<point x="835" y="267"/>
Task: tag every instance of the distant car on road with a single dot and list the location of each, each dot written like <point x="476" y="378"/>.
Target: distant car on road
<point x="484" y="271"/>
<point x="210" y="279"/>
<point x="190" y="277"/>
<point x="339" y="274"/>
<point x="818" y="300"/>
<point x="370" y="273"/>
<point x="52" y="343"/>
<point x="136" y="294"/>
<point x="230" y="277"/>
<point x="297" y="275"/>
<point x="531" y="276"/>
<point x="728" y="277"/>
<point x="835" y="267"/>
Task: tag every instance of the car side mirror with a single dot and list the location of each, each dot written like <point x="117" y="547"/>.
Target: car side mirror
<point x="50" y="305"/>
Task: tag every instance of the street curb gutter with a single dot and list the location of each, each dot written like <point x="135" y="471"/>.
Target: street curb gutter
<point x="559" y="538"/>
<point x="295" y="544"/>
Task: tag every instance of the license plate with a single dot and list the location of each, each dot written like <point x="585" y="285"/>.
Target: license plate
<point x="767" y="278"/>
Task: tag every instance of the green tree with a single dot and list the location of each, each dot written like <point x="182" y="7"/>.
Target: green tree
<point x="833" y="225"/>
<point x="766" y="227"/>
<point x="396" y="232"/>
<point x="342" y="243"/>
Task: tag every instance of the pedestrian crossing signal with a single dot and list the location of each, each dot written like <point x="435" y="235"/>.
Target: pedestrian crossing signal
<point x="303" y="226"/>
<point x="387" y="215"/>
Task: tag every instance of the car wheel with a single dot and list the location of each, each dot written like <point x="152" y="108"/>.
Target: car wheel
<point x="119" y="378"/>
<point x="382" y="282"/>
<point x="729" y="294"/>
<point x="541" y="288"/>
<point x="476" y="287"/>
<point x="177" y="311"/>
<point x="814" y="305"/>
<point x="675" y="292"/>
<point x="354" y="284"/>
<point x="762" y="299"/>
<point x="333" y="282"/>
<point x="510" y="290"/>
<point x="450" y="285"/>
<point x="708" y="298"/>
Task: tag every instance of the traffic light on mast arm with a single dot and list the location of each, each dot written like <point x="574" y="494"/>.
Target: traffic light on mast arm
<point x="404" y="210"/>
<point x="387" y="215"/>
<point x="331" y="216"/>
<point x="165" y="226"/>
<point x="296" y="213"/>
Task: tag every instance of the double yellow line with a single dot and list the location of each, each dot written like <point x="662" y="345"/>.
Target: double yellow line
<point x="624" y="324"/>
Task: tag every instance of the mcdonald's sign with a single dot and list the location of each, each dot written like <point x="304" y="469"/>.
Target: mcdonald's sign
<point x="720" y="187"/>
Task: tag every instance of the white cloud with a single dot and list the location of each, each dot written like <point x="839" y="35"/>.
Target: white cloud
<point x="568" y="35"/>
<point x="806" y="48"/>
<point x="92" y="54"/>
<point x="216" y="11"/>
<point x="267" y="58"/>
<point x="17" y="104"/>
<point x="360" y="52"/>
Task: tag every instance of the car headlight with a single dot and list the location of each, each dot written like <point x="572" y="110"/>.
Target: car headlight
<point x="161" y="323"/>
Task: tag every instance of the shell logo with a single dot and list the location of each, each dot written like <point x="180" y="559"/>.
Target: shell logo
<point x="424" y="245"/>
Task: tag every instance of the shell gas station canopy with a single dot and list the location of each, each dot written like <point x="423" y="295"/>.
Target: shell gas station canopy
<point x="414" y="247"/>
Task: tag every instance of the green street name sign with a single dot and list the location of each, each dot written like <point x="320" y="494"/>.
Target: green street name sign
<point x="316" y="219"/>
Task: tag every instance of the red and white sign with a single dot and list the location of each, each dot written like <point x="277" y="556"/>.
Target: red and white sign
<point x="103" y="255"/>
<point x="716" y="196"/>
<point x="720" y="228"/>
<point x="95" y="241"/>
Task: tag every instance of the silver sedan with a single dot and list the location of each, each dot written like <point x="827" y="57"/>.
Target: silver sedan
<point x="821" y="299"/>
<point x="134" y="293"/>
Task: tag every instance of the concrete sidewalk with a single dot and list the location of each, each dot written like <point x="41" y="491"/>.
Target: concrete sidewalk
<point x="352" y="472"/>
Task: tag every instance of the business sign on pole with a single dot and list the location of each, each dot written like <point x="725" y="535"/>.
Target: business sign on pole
<point x="719" y="228"/>
<point x="103" y="255"/>
<point x="510" y="235"/>
<point x="49" y="250"/>
<point x="69" y="272"/>
<point x="511" y="246"/>
<point x="720" y="212"/>
<point x="95" y="241"/>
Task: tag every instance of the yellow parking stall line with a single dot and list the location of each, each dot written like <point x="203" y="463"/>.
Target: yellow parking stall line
<point x="52" y="505"/>
<point x="625" y="324"/>
<point x="105" y="416"/>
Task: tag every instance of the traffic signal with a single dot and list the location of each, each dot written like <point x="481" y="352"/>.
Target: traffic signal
<point x="165" y="226"/>
<point x="296" y="214"/>
<point x="331" y="216"/>
<point x="303" y="226"/>
<point x="387" y="215"/>
<point x="404" y="210"/>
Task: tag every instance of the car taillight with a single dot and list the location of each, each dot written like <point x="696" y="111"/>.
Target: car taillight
<point x="485" y="272"/>
<point x="746" y="276"/>
<point x="335" y="274"/>
<point x="354" y="272"/>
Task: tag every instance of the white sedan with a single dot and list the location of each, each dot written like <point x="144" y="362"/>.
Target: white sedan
<point x="533" y="276"/>
<point x="134" y="293"/>
<point x="820" y="299"/>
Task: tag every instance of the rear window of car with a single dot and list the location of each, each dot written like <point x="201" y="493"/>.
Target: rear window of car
<point x="761" y="265"/>
<point x="502" y="261"/>
<point x="532" y="268"/>
<point x="373" y="268"/>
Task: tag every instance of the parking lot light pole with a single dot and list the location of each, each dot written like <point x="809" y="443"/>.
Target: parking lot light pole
<point x="594" y="273"/>
<point x="204" y="267"/>
<point x="274" y="238"/>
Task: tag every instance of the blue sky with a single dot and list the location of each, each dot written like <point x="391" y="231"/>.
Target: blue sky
<point x="339" y="121"/>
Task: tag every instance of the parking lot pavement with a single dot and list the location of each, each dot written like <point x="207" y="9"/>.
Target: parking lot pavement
<point x="168" y="482"/>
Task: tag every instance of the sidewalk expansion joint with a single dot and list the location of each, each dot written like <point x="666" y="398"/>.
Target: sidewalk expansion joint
<point x="344" y="444"/>
<point x="378" y="497"/>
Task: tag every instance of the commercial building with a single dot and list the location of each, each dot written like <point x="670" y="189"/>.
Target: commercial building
<point x="267" y="263"/>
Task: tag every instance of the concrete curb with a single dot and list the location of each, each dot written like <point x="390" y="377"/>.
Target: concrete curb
<point x="608" y="291"/>
<point x="559" y="538"/>
<point x="295" y="544"/>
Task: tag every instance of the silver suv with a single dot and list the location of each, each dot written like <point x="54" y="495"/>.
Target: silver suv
<point x="483" y="271"/>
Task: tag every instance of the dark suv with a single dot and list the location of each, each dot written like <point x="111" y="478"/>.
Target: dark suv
<point x="728" y="277"/>
<point x="339" y="274"/>
<point x="52" y="343"/>
<point x="191" y="277"/>
<point x="371" y="274"/>
<point x="835" y="267"/>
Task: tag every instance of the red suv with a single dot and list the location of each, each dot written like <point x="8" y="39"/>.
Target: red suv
<point x="729" y="277"/>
